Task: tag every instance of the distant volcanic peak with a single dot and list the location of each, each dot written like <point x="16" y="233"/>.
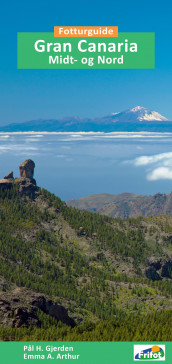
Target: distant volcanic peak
<point x="137" y="108"/>
<point x="141" y="113"/>
<point x="135" y="119"/>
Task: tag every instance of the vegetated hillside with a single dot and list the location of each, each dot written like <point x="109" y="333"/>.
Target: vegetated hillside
<point x="67" y="274"/>
<point x="125" y="205"/>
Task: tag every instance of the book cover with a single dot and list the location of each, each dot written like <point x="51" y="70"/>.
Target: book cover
<point x="85" y="182"/>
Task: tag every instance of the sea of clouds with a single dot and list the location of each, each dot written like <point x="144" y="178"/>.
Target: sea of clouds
<point x="157" y="166"/>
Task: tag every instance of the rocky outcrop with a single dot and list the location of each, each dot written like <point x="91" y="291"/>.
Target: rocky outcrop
<point x="155" y="263"/>
<point x="54" y="310"/>
<point x="152" y="274"/>
<point x="24" y="318"/>
<point x="20" y="309"/>
<point x="9" y="176"/>
<point x="13" y="313"/>
<point x="159" y="269"/>
<point x="167" y="269"/>
<point x="27" y="169"/>
<point x="26" y="183"/>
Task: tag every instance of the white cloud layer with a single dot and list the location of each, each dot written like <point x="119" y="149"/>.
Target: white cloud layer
<point x="162" y="165"/>
<point x="160" y="173"/>
<point x="146" y="160"/>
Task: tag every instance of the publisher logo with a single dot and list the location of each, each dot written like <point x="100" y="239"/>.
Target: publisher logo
<point x="149" y="352"/>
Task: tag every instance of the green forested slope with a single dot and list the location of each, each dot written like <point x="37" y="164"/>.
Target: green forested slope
<point x="110" y="273"/>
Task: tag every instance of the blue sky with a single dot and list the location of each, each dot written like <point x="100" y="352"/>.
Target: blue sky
<point x="33" y="94"/>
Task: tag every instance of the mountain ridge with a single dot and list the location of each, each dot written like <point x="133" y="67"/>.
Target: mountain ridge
<point x="135" y="119"/>
<point x="125" y="205"/>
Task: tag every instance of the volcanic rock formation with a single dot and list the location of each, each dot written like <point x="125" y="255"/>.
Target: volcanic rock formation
<point x="26" y="183"/>
<point x="9" y="176"/>
<point x="27" y="169"/>
<point x="19" y="308"/>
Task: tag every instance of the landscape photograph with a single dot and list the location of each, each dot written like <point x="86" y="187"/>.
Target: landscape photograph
<point x="85" y="187"/>
<point x="96" y="267"/>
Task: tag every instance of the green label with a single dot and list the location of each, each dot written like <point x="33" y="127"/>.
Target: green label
<point x="85" y="352"/>
<point x="127" y="51"/>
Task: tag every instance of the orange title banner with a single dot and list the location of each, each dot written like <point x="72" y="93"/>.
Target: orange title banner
<point x="85" y="31"/>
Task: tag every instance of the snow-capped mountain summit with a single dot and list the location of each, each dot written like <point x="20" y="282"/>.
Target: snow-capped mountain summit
<point x="137" y="113"/>
<point x="136" y="108"/>
<point x="145" y="114"/>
